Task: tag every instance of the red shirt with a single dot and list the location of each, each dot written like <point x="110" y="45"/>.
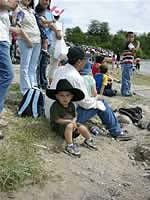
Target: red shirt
<point x="95" y="70"/>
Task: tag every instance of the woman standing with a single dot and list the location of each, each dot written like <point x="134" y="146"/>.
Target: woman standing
<point x="29" y="45"/>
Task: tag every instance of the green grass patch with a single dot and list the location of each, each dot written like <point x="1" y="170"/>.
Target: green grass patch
<point x="15" y="87"/>
<point x="20" y="161"/>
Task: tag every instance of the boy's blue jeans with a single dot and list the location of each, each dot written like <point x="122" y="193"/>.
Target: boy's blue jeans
<point x="6" y="71"/>
<point x="108" y="118"/>
<point x="127" y="70"/>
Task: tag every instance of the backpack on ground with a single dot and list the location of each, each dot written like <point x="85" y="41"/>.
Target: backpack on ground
<point x="135" y="114"/>
<point x="32" y="103"/>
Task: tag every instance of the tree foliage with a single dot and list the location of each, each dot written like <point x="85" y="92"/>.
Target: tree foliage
<point x="98" y="35"/>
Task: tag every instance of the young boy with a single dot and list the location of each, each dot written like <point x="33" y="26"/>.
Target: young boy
<point x="63" y="116"/>
<point x="127" y="63"/>
<point x="103" y="82"/>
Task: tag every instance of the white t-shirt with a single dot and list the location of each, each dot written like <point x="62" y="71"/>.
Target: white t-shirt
<point x="58" y="28"/>
<point x="4" y="26"/>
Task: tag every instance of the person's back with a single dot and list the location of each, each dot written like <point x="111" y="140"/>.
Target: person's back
<point x="99" y="79"/>
<point x="86" y="73"/>
<point x="95" y="67"/>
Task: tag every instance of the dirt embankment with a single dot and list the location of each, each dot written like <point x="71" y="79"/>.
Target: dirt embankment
<point x="117" y="171"/>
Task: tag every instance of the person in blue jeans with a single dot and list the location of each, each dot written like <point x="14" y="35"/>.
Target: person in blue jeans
<point x="89" y="106"/>
<point x="129" y="52"/>
<point x="6" y="72"/>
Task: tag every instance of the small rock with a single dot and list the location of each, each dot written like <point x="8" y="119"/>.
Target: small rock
<point x="124" y="119"/>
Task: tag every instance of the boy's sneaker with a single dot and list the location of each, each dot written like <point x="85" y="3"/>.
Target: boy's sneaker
<point x="89" y="144"/>
<point x="45" y="52"/>
<point x="73" y="150"/>
<point x="123" y="137"/>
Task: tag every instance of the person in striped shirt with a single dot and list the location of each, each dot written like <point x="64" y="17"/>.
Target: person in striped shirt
<point x="129" y="52"/>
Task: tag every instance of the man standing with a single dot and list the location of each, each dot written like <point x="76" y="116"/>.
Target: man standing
<point x="6" y="73"/>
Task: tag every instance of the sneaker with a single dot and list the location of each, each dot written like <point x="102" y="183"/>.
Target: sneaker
<point x="123" y="137"/>
<point x="73" y="150"/>
<point x="1" y="135"/>
<point x="89" y="144"/>
<point x="45" y="52"/>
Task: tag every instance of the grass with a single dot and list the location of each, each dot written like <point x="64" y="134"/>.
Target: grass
<point x="20" y="161"/>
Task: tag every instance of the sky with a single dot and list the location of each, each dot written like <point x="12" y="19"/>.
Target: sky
<point x="128" y="15"/>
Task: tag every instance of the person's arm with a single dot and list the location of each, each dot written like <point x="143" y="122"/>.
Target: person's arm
<point x="15" y="29"/>
<point x="102" y="90"/>
<point x="63" y="121"/>
<point x="8" y="4"/>
<point x="26" y="37"/>
<point x="57" y="32"/>
<point x="93" y="91"/>
<point x="45" y="22"/>
<point x="138" y="45"/>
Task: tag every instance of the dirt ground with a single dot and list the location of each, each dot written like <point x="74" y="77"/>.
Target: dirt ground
<point x="111" y="173"/>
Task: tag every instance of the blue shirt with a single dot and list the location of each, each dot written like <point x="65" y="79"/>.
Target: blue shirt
<point x="49" y="17"/>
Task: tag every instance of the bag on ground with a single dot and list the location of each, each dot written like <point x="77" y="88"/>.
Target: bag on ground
<point x="135" y="114"/>
<point x="32" y="104"/>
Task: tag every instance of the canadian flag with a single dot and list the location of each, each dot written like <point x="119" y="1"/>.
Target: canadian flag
<point x="56" y="11"/>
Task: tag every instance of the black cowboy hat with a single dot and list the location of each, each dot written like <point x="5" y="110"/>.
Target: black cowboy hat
<point x="64" y="85"/>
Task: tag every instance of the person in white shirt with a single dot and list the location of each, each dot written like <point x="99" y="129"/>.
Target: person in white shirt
<point x="6" y="73"/>
<point x="89" y="106"/>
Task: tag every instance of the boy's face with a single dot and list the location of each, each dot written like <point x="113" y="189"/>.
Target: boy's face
<point x="131" y="37"/>
<point x="64" y="98"/>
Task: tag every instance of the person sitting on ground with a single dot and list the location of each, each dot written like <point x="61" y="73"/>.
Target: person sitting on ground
<point x="98" y="62"/>
<point x="89" y="106"/>
<point x="104" y="83"/>
<point x="89" y="81"/>
<point x="63" y="115"/>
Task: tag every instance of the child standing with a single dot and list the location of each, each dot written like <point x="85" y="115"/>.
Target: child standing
<point x="43" y="24"/>
<point x="113" y="61"/>
<point x="127" y="63"/>
<point x="63" y="116"/>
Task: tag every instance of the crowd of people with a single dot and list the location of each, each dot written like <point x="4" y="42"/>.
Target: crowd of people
<point x="38" y="30"/>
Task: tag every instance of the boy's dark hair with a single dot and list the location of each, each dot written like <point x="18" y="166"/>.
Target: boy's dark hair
<point x="99" y="59"/>
<point x="129" y="33"/>
<point x="103" y="69"/>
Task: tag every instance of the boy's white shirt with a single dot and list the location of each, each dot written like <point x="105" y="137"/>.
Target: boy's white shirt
<point x="67" y="72"/>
